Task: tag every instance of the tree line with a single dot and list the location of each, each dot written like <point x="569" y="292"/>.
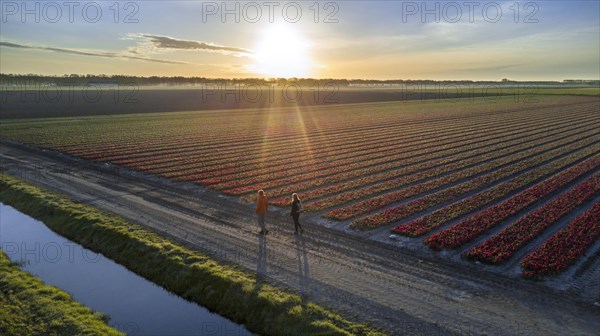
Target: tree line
<point x="80" y="80"/>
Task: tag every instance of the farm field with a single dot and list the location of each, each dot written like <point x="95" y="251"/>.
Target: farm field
<point x="306" y="168"/>
<point x="479" y="176"/>
<point x="44" y="101"/>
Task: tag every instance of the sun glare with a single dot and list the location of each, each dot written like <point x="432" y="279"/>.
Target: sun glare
<point x="282" y="52"/>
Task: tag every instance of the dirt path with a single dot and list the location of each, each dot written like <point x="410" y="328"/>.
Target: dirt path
<point x="396" y="290"/>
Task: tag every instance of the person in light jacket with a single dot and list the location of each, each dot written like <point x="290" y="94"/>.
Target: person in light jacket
<point x="295" y="213"/>
<point x="262" y="203"/>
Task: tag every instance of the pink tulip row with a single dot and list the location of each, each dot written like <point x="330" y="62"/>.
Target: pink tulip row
<point x="565" y="246"/>
<point x="473" y="226"/>
<point x="504" y="245"/>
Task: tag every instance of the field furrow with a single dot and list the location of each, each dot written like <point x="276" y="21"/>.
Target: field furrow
<point x="467" y="229"/>
<point x="510" y="165"/>
<point x="502" y="246"/>
<point x="565" y="246"/>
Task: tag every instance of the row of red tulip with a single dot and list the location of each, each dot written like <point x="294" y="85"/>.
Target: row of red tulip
<point x="216" y="135"/>
<point x="326" y="173"/>
<point x="278" y="139"/>
<point x="359" y="176"/>
<point x="378" y="150"/>
<point x="564" y="247"/>
<point x="374" y="151"/>
<point x="210" y="170"/>
<point x="275" y="145"/>
<point x="341" y="159"/>
<point x="184" y="163"/>
<point x="473" y="226"/>
<point x="208" y="135"/>
<point x="450" y="192"/>
<point x="200" y="163"/>
<point x="300" y="157"/>
<point x="505" y="244"/>
<point x="455" y="210"/>
<point x="489" y="157"/>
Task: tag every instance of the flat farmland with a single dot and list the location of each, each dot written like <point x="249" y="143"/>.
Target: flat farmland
<point x="475" y="215"/>
<point x="61" y="101"/>
<point x="488" y="180"/>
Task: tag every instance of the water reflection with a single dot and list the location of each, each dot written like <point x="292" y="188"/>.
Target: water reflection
<point x="135" y="305"/>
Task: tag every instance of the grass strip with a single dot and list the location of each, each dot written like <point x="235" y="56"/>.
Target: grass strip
<point x="223" y="289"/>
<point x="30" y="307"/>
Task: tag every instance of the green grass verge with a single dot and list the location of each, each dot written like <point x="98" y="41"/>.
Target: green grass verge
<point x="224" y="289"/>
<point x="29" y="307"/>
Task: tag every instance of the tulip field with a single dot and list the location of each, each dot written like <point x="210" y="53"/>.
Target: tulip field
<point x="490" y="179"/>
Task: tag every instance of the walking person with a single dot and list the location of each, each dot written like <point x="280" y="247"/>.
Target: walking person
<point x="295" y="213"/>
<point x="262" y="203"/>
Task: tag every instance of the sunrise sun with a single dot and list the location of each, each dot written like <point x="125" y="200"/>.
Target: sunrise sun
<point x="282" y="52"/>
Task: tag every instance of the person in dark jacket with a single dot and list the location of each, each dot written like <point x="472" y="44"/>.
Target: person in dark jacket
<point x="295" y="213"/>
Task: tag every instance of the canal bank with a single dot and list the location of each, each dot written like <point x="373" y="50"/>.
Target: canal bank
<point x="30" y="307"/>
<point x="135" y="305"/>
<point x="224" y="289"/>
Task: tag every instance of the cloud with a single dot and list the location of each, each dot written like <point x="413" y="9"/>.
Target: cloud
<point x="166" y="42"/>
<point x="88" y="53"/>
<point x="492" y="69"/>
<point x="147" y="45"/>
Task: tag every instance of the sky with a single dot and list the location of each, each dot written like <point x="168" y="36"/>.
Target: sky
<point x="455" y="40"/>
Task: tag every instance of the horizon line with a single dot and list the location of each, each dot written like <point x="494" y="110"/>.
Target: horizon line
<point x="272" y="79"/>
